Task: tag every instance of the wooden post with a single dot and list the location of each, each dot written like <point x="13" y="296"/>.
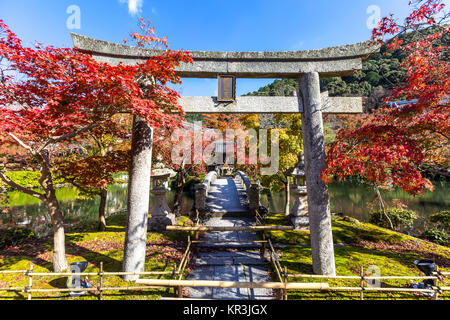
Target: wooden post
<point x="285" y="281"/>
<point x="196" y="237"/>
<point x="264" y="246"/>
<point x="183" y="264"/>
<point x="30" y="281"/>
<point x="100" y="281"/>
<point x="436" y="284"/>
<point x="174" y="276"/>
<point x="361" y="294"/>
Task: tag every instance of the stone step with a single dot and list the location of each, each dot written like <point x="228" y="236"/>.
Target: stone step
<point x="230" y="258"/>
<point x="241" y="273"/>
<point x="246" y="253"/>
<point x="230" y="214"/>
<point x="238" y="245"/>
<point x="228" y="261"/>
<point x="243" y="265"/>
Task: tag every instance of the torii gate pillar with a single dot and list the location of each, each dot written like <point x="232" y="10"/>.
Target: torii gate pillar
<point x="318" y="199"/>
<point x="138" y="198"/>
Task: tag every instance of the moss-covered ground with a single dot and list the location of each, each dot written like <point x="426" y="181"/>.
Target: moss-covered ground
<point x="358" y="244"/>
<point x="164" y="250"/>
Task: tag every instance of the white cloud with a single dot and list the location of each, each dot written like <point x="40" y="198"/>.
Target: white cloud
<point x="134" y="6"/>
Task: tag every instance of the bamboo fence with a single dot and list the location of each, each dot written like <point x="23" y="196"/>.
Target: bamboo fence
<point x="283" y="285"/>
<point x="435" y="289"/>
<point x="278" y="270"/>
<point x="100" y="288"/>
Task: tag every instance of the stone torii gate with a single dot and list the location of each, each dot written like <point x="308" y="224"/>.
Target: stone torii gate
<point x="307" y="66"/>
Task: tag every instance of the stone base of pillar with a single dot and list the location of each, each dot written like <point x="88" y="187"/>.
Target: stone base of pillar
<point x="253" y="198"/>
<point x="200" y="196"/>
<point x="161" y="215"/>
<point x="300" y="223"/>
<point x="159" y="223"/>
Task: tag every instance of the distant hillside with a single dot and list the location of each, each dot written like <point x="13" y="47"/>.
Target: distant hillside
<point x="379" y="75"/>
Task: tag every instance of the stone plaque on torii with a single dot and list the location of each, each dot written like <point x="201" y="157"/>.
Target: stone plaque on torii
<point x="307" y="66"/>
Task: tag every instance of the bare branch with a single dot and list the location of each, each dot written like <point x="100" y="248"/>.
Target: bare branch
<point x="73" y="133"/>
<point x="23" y="144"/>
<point x="438" y="146"/>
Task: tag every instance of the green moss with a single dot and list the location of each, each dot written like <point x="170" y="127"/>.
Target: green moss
<point x="93" y="247"/>
<point x="364" y="245"/>
<point x="345" y="230"/>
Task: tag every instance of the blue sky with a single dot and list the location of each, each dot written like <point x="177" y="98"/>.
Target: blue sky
<point x="222" y="25"/>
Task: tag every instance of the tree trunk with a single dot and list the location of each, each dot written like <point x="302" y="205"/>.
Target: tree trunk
<point x="270" y="200"/>
<point x="102" y="210"/>
<point x="59" y="249"/>
<point x="383" y="208"/>
<point x="287" y="192"/>
<point x="46" y="182"/>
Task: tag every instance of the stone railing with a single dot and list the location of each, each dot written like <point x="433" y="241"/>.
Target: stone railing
<point x="244" y="179"/>
<point x="202" y="189"/>
<point x="252" y="190"/>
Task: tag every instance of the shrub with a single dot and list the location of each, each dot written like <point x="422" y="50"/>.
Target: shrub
<point x="14" y="236"/>
<point x="401" y="218"/>
<point x="437" y="236"/>
<point x="442" y="219"/>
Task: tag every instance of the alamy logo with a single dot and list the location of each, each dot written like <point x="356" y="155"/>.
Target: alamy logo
<point x="374" y="18"/>
<point x="374" y="271"/>
<point x="74" y="20"/>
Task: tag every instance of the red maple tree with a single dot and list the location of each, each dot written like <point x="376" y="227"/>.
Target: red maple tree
<point x="388" y="147"/>
<point x="51" y="96"/>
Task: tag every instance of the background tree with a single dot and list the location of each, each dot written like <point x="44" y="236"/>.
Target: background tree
<point x="290" y="146"/>
<point x="163" y="145"/>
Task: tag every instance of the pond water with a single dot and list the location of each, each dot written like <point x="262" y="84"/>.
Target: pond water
<point x="356" y="200"/>
<point x="24" y="210"/>
<point x="349" y="198"/>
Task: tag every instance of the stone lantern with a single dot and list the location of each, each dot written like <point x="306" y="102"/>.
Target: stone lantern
<point x="161" y="215"/>
<point x="299" y="213"/>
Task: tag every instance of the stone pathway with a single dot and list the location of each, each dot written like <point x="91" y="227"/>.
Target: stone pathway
<point x="230" y="235"/>
<point x="215" y="263"/>
<point x="226" y="195"/>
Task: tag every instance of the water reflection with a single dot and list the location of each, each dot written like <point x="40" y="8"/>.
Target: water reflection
<point x="26" y="211"/>
<point x="348" y="198"/>
<point x="353" y="199"/>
